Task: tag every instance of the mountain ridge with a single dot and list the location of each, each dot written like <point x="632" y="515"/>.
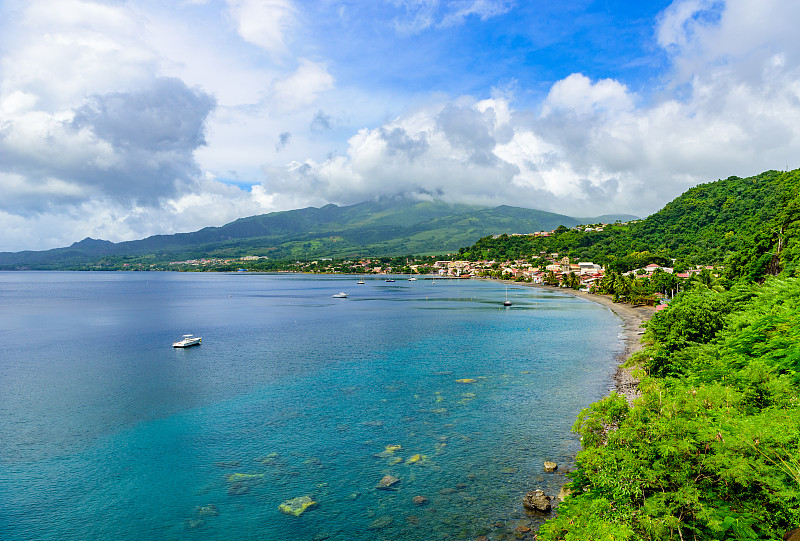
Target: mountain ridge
<point x="367" y="229"/>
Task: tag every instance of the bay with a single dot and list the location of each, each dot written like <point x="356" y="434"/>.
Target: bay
<point x="107" y="432"/>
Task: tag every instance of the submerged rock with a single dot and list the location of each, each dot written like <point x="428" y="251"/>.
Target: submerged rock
<point x="388" y="451"/>
<point x="550" y="466"/>
<point x="537" y="500"/>
<point x="237" y="489"/>
<point x="240" y="477"/>
<point x="380" y="523"/>
<point x="267" y="459"/>
<point x="296" y="506"/>
<point x="387" y="483"/>
<point x="466" y="380"/>
<point x="209" y="510"/>
<point x="419" y="500"/>
<point x="192" y="523"/>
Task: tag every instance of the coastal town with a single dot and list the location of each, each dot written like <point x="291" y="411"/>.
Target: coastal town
<point x="649" y="284"/>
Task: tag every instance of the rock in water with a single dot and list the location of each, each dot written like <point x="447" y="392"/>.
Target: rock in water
<point x="296" y="506"/>
<point x="419" y="500"/>
<point x="380" y="523"/>
<point x="387" y="483"/>
<point x="537" y="500"/>
<point x="550" y="466"/>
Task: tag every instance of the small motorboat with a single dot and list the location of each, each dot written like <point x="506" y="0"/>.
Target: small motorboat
<point x="187" y="340"/>
<point x="389" y="280"/>
<point x="340" y="295"/>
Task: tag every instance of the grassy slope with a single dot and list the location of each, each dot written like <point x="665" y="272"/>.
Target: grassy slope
<point x="374" y="228"/>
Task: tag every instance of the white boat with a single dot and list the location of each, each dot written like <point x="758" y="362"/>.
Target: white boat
<point x="360" y="280"/>
<point x="507" y="302"/>
<point x="340" y="295"/>
<point x="412" y="279"/>
<point x="187" y="341"/>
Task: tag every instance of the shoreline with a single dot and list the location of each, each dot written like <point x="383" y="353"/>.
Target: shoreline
<point x="632" y="319"/>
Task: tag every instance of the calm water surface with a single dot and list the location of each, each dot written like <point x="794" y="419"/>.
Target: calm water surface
<point x="107" y="432"/>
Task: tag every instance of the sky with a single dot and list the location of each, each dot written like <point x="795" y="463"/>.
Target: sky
<point x="121" y="119"/>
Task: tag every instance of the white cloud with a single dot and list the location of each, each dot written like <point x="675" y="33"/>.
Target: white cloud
<point x="264" y="23"/>
<point x="579" y="94"/>
<point x="105" y="109"/>
<point x="419" y="15"/>
<point x="303" y="87"/>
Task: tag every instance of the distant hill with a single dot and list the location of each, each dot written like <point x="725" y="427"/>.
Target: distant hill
<point x="749" y="225"/>
<point x="373" y="228"/>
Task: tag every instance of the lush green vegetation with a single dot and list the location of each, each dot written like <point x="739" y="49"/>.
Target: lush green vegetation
<point x="748" y="226"/>
<point x="711" y="450"/>
<point x="370" y="229"/>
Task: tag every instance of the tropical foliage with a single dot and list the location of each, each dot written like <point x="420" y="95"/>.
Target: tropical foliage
<point x="711" y="450"/>
<point x="748" y="226"/>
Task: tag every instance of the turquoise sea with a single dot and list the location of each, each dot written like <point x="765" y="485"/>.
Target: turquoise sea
<point x="107" y="432"/>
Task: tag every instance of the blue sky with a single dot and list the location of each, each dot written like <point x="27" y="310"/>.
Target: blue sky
<point x="123" y="119"/>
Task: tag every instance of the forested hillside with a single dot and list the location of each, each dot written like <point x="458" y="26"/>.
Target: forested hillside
<point x="712" y="448"/>
<point x="390" y="227"/>
<point x="749" y="225"/>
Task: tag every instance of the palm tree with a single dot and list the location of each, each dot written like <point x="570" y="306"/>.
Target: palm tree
<point x="705" y="278"/>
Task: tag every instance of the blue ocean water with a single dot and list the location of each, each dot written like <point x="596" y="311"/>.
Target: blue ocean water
<point x="107" y="432"/>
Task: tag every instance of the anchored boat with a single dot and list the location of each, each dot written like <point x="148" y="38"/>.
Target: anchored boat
<point x="187" y="341"/>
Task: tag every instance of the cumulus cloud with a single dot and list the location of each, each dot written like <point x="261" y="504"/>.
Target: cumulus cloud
<point x="303" y="87"/>
<point x="86" y="124"/>
<point x="133" y="145"/>
<point x="264" y="23"/>
<point x="730" y="105"/>
<point x="101" y="135"/>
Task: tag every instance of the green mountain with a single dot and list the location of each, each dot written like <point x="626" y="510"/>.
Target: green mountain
<point x="373" y="228"/>
<point x="750" y="225"/>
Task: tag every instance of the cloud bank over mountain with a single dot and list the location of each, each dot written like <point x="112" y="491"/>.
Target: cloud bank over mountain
<point x="120" y="120"/>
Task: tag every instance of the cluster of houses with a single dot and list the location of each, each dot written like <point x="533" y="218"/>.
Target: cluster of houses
<point x="213" y="261"/>
<point x="648" y="271"/>
<point x="587" y="272"/>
